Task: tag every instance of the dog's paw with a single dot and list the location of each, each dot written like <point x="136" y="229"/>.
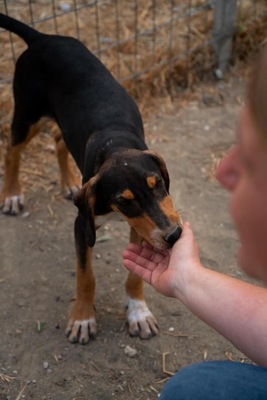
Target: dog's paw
<point x="141" y="321"/>
<point x="70" y="191"/>
<point x="12" y="205"/>
<point x="81" y="331"/>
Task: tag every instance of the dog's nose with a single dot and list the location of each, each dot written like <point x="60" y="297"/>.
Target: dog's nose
<point x="173" y="236"/>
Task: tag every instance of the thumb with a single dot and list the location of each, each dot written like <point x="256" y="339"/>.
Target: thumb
<point x="186" y="244"/>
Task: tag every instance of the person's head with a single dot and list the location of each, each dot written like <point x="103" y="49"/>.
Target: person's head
<point x="243" y="171"/>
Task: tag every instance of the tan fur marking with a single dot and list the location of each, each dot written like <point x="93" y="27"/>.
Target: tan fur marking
<point x="167" y="207"/>
<point x="143" y="225"/>
<point x="12" y="162"/>
<point x="115" y="208"/>
<point x="127" y="194"/>
<point x="83" y="307"/>
<point x="151" y="181"/>
<point x="68" y="176"/>
<point x="134" y="284"/>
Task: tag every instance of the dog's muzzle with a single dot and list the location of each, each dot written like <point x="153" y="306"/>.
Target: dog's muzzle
<point x="173" y="236"/>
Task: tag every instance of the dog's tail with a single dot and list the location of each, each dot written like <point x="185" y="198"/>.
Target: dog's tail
<point x="28" y="34"/>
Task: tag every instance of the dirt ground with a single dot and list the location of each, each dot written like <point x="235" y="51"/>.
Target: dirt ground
<point x="37" y="270"/>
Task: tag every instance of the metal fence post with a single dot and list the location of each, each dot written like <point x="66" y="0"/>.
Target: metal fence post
<point x="222" y="33"/>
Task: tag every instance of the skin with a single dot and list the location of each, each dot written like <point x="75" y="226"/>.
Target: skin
<point x="236" y="309"/>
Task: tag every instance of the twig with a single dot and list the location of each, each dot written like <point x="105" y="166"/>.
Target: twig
<point x="51" y="212"/>
<point x="180" y="334"/>
<point x="164" y="364"/>
<point x="6" y="378"/>
<point x="32" y="172"/>
<point x="20" y="393"/>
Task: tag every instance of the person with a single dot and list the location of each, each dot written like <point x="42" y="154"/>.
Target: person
<point x="236" y="309"/>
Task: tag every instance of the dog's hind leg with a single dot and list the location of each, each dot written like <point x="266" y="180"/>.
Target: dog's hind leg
<point x="29" y="103"/>
<point x="11" y="197"/>
<point x="70" y="182"/>
<point x="82" y="324"/>
<point x="141" y="321"/>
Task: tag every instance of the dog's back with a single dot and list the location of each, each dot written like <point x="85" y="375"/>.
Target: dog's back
<point x="57" y="76"/>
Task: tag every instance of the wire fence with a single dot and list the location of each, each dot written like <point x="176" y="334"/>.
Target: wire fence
<point x="135" y="38"/>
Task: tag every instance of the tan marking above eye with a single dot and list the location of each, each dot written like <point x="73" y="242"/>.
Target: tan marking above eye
<point x="127" y="194"/>
<point x="151" y="182"/>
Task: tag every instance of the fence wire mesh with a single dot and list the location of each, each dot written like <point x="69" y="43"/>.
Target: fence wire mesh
<point x="132" y="37"/>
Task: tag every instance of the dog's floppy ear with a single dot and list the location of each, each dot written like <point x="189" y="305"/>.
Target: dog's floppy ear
<point x="162" y="166"/>
<point x="85" y="202"/>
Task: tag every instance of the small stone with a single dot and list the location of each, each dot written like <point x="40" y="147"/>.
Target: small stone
<point x="218" y="74"/>
<point x="26" y="214"/>
<point x="108" y="260"/>
<point x="130" y="351"/>
<point x="45" y="364"/>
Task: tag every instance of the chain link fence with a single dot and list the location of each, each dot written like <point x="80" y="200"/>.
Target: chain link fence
<point x="137" y="38"/>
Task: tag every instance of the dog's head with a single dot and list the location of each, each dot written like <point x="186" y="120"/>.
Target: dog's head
<point x="134" y="184"/>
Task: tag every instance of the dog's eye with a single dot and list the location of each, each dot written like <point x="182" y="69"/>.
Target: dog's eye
<point x="121" y="201"/>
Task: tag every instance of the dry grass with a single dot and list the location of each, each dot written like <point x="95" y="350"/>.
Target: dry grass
<point x="162" y="79"/>
<point x="178" y="37"/>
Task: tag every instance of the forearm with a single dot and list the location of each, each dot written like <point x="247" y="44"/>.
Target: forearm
<point x="236" y="309"/>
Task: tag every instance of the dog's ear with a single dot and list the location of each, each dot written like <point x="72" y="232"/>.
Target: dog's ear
<point x="162" y="166"/>
<point x="85" y="202"/>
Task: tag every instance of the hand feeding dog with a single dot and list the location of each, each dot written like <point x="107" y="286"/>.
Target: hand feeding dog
<point x="101" y="126"/>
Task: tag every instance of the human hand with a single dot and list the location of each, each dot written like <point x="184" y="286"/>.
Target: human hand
<point x="168" y="272"/>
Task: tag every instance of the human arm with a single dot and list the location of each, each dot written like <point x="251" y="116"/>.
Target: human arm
<point x="236" y="309"/>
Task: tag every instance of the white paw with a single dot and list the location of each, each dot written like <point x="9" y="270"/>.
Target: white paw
<point x="70" y="192"/>
<point x="141" y="321"/>
<point x="12" y="204"/>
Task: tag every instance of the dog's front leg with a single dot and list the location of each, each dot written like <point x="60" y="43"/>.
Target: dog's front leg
<point x="141" y="321"/>
<point x="82" y="324"/>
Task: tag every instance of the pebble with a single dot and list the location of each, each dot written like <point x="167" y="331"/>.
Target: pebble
<point x="130" y="351"/>
<point x="108" y="260"/>
<point x="26" y="214"/>
<point x="45" y="364"/>
<point x="218" y="74"/>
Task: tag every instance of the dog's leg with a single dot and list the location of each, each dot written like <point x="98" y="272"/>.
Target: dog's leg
<point x="11" y="198"/>
<point x="82" y="324"/>
<point x="69" y="181"/>
<point x="141" y="321"/>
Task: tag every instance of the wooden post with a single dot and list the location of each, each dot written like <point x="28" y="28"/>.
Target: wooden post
<point x="222" y="33"/>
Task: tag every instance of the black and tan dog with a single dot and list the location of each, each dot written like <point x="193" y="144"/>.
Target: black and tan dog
<point x="102" y="128"/>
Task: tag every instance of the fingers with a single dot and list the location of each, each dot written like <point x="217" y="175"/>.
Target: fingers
<point x="146" y="257"/>
<point x="137" y="269"/>
<point x="141" y="258"/>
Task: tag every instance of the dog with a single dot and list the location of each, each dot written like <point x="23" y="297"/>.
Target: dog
<point x="101" y="127"/>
